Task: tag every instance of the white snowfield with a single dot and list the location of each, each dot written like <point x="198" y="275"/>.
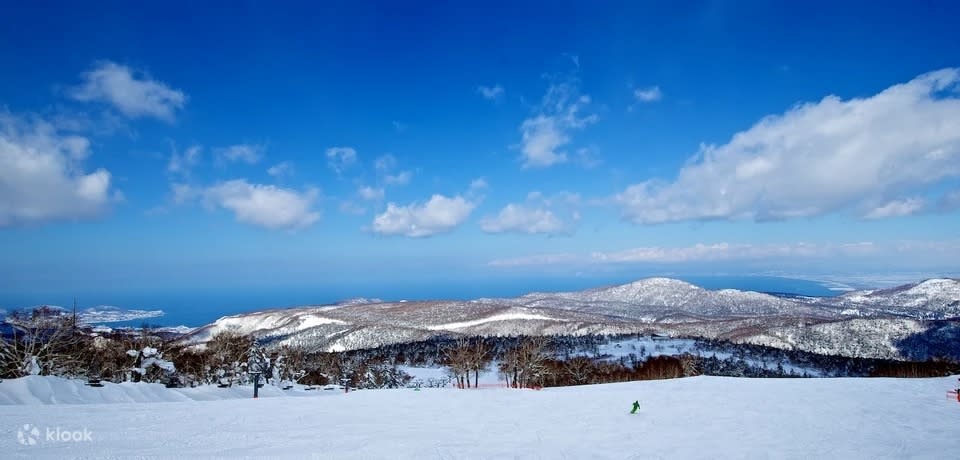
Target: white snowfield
<point x="501" y="317"/>
<point x="701" y="417"/>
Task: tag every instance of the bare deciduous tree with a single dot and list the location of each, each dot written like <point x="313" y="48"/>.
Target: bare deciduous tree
<point x="480" y="356"/>
<point x="459" y="358"/>
<point x="42" y="342"/>
<point x="525" y="365"/>
<point x="579" y="369"/>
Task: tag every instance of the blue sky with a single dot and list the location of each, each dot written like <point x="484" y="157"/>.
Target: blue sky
<point x="193" y="146"/>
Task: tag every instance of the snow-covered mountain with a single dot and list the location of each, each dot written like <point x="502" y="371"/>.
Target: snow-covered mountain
<point x="366" y="325"/>
<point x="656" y="298"/>
<point x="874" y="324"/>
<point x="931" y="299"/>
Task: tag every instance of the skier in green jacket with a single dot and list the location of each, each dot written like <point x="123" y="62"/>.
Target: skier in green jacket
<point x="636" y="407"/>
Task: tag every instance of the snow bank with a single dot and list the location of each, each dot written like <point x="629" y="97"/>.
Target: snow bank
<point x="702" y="417"/>
<point x="34" y="390"/>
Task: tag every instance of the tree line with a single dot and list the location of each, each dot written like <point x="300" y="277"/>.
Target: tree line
<point x="46" y="341"/>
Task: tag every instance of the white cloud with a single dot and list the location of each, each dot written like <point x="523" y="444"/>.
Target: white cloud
<point x="523" y="219"/>
<point x="247" y="153"/>
<point x="651" y="94"/>
<point x="699" y="253"/>
<point x="491" y="93"/>
<point x="438" y="215"/>
<point x="537" y="215"/>
<point x="42" y="178"/>
<point x="707" y="252"/>
<point x="282" y="169"/>
<point x="546" y="132"/>
<point x="341" y="158"/>
<point x="541" y="259"/>
<point x="479" y="183"/>
<point x="385" y="165"/>
<point x="817" y="158"/>
<point x="134" y="94"/>
<point x="897" y="208"/>
<point x="400" y="178"/>
<point x="371" y="194"/>
<point x="183" y="163"/>
<point x="265" y="205"/>
<point x="907" y="254"/>
<point x="182" y="193"/>
<point x="726" y="251"/>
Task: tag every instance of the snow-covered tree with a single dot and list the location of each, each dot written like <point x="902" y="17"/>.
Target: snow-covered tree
<point x="229" y="354"/>
<point x="149" y="365"/>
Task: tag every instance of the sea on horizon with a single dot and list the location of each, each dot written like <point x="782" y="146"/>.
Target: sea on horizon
<point x="196" y="307"/>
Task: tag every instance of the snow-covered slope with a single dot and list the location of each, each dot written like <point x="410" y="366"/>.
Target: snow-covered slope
<point x="930" y="299"/>
<point x="274" y="322"/>
<point x="691" y="418"/>
<point x="874" y="338"/>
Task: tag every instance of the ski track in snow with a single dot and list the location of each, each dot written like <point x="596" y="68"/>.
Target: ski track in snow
<point x="700" y="417"/>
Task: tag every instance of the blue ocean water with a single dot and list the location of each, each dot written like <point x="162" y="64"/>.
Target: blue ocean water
<point x="195" y="307"/>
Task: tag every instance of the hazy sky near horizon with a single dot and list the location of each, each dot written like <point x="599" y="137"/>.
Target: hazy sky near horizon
<point x="256" y="144"/>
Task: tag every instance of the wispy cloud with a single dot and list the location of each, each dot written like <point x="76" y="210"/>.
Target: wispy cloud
<point x="282" y="169"/>
<point x="183" y="162"/>
<point x="540" y="259"/>
<point x="726" y="251"/>
<point x="479" y="183"/>
<point x="246" y="153"/>
<point x="341" y="158"/>
<point x="650" y="94"/>
<point x="703" y="253"/>
<point x="385" y="166"/>
<point x="371" y="193"/>
<point x="400" y="178"/>
<point x="549" y="129"/>
<point x="134" y="94"/>
<point x="491" y="93"/>
<point x="897" y="208"/>
<point x="538" y="215"/>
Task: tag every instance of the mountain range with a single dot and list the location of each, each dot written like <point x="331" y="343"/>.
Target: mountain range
<point x="914" y="321"/>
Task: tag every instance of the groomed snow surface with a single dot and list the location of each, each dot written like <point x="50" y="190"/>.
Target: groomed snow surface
<point x="700" y="417"/>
